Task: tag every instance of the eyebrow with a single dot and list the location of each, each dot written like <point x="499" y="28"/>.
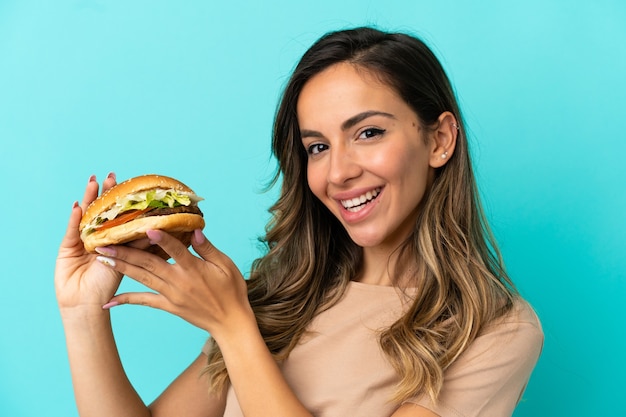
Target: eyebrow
<point x="350" y="122"/>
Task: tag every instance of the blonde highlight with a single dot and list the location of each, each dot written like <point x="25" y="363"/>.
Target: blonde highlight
<point x="453" y="257"/>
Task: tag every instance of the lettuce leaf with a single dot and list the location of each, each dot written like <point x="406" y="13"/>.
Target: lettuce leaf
<point x="155" y="199"/>
<point x="159" y="198"/>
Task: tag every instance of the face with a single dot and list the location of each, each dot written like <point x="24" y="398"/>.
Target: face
<point x="368" y="155"/>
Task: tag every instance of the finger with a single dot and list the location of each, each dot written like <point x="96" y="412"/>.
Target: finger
<point x="72" y="237"/>
<point x="207" y="251"/>
<point x="109" y="182"/>
<point x="203" y="247"/>
<point x="172" y="246"/>
<point x="148" y="299"/>
<point x="143" y="243"/>
<point x="91" y="192"/>
<point x="140" y="266"/>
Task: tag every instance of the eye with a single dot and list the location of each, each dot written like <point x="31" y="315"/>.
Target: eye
<point x="316" y="148"/>
<point x="370" y="133"/>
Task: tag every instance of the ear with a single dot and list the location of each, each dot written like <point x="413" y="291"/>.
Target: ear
<point x="443" y="140"/>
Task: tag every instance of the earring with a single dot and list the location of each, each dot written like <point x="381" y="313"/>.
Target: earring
<point x="455" y="126"/>
<point x="444" y="155"/>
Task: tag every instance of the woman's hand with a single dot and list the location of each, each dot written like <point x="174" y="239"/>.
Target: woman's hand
<point x="206" y="290"/>
<point x="81" y="281"/>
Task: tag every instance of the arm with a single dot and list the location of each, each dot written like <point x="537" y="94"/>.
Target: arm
<point x="259" y="384"/>
<point x="81" y="285"/>
<point x="188" y="395"/>
<point x="210" y="292"/>
<point x="101" y="386"/>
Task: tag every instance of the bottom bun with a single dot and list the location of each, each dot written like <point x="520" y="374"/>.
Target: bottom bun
<point x="180" y="225"/>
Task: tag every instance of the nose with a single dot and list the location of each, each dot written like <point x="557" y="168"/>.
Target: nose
<point x="343" y="166"/>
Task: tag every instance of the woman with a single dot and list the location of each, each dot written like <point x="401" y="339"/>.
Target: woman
<point x="382" y="292"/>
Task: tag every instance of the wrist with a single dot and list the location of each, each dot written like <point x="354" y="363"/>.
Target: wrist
<point x="240" y="327"/>
<point x="255" y="376"/>
<point x="87" y="315"/>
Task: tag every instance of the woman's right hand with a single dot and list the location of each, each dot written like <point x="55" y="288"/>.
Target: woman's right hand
<point x="79" y="279"/>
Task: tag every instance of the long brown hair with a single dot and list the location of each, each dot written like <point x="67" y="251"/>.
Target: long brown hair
<point x="310" y="258"/>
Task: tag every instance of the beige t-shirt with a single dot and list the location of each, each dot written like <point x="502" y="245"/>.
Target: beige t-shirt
<point x="338" y="368"/>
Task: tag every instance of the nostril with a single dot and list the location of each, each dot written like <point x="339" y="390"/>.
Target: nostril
<point x="342" y="168"/>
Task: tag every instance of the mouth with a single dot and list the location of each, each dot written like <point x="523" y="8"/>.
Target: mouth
<point x="357" y="203"/>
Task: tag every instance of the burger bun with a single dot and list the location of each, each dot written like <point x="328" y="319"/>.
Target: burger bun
<point x="180" y="225"/>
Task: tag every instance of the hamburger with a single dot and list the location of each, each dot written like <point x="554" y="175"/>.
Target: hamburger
<point x="127" y="210"/>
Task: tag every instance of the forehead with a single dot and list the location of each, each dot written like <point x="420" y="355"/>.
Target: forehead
<point x="343" y="89"/>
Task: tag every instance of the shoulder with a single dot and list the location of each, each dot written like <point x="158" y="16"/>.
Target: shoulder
<point x="490" y="376"/>
<point x="519" y="323"/>
<point x="520" y="312"/>
<point x="521" y="316"/>
<point x="517" y="336"/>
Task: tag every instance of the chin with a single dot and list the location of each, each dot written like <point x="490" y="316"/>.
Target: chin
<point x="378" y="240"/>
<point x="366" y="241"/>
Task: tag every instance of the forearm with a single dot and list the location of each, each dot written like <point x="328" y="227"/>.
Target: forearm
<point x="101" y="387"/>
<point x="255" y="376"/>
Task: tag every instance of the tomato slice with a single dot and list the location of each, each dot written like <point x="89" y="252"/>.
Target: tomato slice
<point x="123" y="218"/>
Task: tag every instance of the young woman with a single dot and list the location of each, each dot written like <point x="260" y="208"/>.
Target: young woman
<point x="382" y="292"/>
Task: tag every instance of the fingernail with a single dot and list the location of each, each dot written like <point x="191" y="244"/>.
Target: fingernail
<point x="92" y="178"/>
<point x="75" y="204"/>
<point x="110" y="304"/>
<point x="154" y="236"/>
<point x="106" y="251"/>
<point x="198" y="236"/>
<point x="106" y="261"/>
<point x="111" y="175"/>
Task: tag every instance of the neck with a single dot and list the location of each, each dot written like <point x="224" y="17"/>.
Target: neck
<point x="377" y="267"/>
<point x="384" y="267"/>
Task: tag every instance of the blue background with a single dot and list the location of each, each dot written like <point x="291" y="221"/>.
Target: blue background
<point x="189" y="89"/>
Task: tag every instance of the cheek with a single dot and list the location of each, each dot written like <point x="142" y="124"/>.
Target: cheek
<point x="411" y="168"/>
<point x="316" y="181"/>
<point x="405" y="163"/>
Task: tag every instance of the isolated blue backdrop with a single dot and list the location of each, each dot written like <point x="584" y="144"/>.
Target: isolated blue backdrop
<point x="189" y="89"/>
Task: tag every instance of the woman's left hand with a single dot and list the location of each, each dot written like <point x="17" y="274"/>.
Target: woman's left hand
<point x="206" y="290"/>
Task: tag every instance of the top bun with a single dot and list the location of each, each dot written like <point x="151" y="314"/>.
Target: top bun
<point x="144" y="182"/>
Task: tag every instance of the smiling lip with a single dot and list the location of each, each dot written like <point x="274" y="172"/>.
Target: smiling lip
<point x="356" y="206"/>
<point x="356" y="203"/>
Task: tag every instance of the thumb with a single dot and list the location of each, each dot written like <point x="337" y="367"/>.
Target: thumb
<point x="202" y="246"/>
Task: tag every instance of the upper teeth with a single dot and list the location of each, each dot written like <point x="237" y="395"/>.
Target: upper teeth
<point x="363" y="198"/>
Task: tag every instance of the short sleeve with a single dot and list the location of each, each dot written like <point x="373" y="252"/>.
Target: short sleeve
<point x="489" y="378"/>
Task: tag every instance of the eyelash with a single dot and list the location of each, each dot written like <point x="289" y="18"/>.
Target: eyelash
<point x="372" y="132"/>
<point x="311" y="150"/>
